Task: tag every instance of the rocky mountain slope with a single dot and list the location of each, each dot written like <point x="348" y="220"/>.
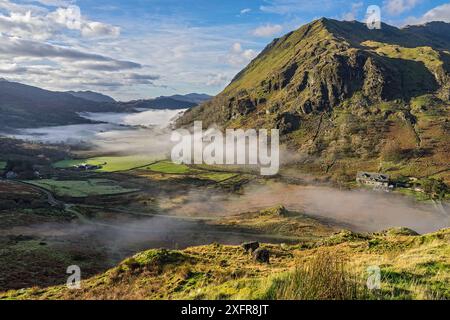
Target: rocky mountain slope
<point x="339" y="91"/>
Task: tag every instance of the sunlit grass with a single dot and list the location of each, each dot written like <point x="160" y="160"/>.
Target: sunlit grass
<point x="81" y="188"/>
<point x="169" y="168"/>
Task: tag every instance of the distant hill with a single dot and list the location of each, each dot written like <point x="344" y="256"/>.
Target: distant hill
<point x="91" y="96"/>
<point x="23" y="106"/>
<point x="191" y="97"/>
<point x="348" y="97"/>
<point x="171" y="102"/>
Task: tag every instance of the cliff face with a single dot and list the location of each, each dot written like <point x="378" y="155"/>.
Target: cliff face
<point x="334" y="85"/>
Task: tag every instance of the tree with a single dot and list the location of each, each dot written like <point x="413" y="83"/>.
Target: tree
<point x="435" y="188"/>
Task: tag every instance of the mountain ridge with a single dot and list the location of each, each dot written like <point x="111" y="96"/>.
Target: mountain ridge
<point x="173" y="102"/>
<point x="25" y="106"/>
<point x="92" y="96"/>
<point x="338" y="91"/>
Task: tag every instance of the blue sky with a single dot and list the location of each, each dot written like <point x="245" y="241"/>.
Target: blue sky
<point x="145" y="48"/>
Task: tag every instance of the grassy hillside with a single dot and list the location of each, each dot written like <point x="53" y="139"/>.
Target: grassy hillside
<point x="344" y="95"/>
<point x="412" y="267"/>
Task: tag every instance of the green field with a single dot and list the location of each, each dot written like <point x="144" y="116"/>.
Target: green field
<point x="81" y="188"/>
<point x="217" y="176"/>
<point x="110" y="164"/>
<point x="170" y="168"/>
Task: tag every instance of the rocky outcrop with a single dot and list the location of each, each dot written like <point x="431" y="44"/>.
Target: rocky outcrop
<point x="261" y="255"/>
<point x="287" y="122"/>
<point x="250" y="247"/>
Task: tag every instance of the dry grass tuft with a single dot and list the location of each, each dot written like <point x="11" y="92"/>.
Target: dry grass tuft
<point x="324" y="277"/>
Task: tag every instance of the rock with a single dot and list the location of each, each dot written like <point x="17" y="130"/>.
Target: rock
<point x="288" y="122"/>
<point x="287" y="74"/>
<point x="250" y="246"/>
<point x="245" y="106"/>
<point x="402" y="231"/>
<point x="274" y="211"/>
<point x="261" y="255"/>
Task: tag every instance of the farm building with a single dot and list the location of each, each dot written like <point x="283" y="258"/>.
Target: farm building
<point x="378" y="181"/>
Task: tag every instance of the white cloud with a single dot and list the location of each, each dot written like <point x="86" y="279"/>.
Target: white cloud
<point x="353" y="13"/>
<point x="396" y="7"/>
<point x="98" y="29"/>
<point x="59" y="48"/>
<point x="69" y="17"/>
<point x="13" y="47"/>
<point x="217" y="79"/>
<point x="439" y="13"/>
<point x="238" y="56"/>
<point x="267" y="30"/>
<point x="25" y="25"/>
<point x="72" y="19"/>
<point x="246" y="10"/>
<point x="37" y="23"/>
<point x="56" y="3"/>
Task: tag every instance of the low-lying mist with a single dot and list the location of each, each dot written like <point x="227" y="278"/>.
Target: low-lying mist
<point x="365" y="210"/>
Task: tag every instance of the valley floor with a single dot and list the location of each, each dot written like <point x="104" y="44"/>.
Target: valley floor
<point x="96" y="219"/>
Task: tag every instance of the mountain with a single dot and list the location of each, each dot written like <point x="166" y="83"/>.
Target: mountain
<point x="92" y="96"/>
<point x="171" y="102"/>
<point x="23" y="106"/>
<point x="348" y="96"/>
<point x="192" y="97"/>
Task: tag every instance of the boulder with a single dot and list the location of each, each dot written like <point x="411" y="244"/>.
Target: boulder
<point x="250" y="246"/>
<point x="279" y="210"/>
<point x="261" y="255"/>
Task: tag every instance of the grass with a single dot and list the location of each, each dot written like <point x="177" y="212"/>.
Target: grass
<point x="217" y="176"/>
<point x="24" y="261"/>
<point x="82" y="188"/>
<point x="325" y="277"/>
<point x="201" y="172"/>
<point x="170" y="168"/>
<point x="412" y="267"/>
<point x="419" y="196"/>
<point x="427" y="55"/>
<point x="110" y="164"/>
<point x="278" y="221"/>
